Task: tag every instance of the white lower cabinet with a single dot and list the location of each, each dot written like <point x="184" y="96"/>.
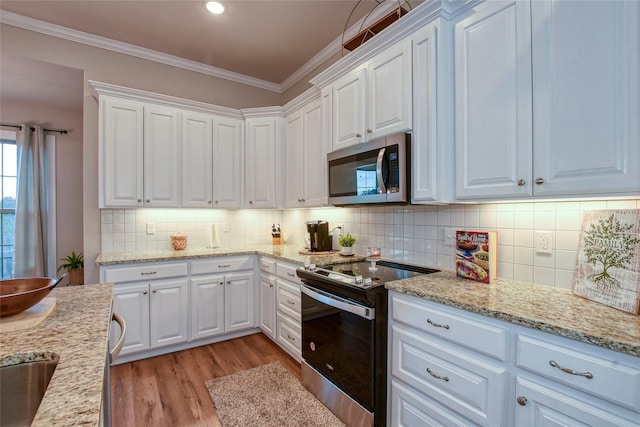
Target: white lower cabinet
<point x="452" y="367"/>
<point x="239" y="306"/>
<point x="268" y="305"/>
<point x="156" y="311"/>
<point x="207" y="306"/>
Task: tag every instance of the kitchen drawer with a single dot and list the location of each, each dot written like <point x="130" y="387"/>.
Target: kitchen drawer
<point x="460" y="329"/>
<point x="455" y="379"/>
<point x="610" y="379"/>
<point x="289" y="335"/>
<point x="221" y="265"/>
<point x="288" y="299"/>
<point x="410" y="408"/>
<point x="144" y="272"/>
<point x="288" y="271"/>
<point x="268" y="265"/>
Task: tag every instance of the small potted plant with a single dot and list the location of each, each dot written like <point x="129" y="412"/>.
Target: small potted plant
<point x="74" y="264"/>
<point x="346" y="241"/>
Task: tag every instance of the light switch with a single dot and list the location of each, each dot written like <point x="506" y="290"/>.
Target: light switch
<point x="544" y="242"/>
<point x="151" y="228"/>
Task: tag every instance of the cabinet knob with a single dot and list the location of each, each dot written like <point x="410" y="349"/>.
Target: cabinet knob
<point x="539" y="181"/>
<point x="209" y="202"/>
<point x="521" y="182"/>
<point x="216" y="202"/>
<point x="522" y="401"/>
<point x="369" y="131"/>
<point x="148" y="200"/>
<point x="303" y="200"/>
<point x="358" y="135"/>
<point x="139" y="200"/>
<point x="145" y="292"/>
<point x="228" y="282"/>
<point x="250" y="202"/>
<point x="154" y="291"/>
<point x="271" y="285"/>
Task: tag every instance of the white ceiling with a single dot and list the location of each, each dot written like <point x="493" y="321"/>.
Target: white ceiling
<point x="264" y="39"/>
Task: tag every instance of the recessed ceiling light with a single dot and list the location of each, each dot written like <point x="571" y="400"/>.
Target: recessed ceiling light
<point x="215" y="7"/>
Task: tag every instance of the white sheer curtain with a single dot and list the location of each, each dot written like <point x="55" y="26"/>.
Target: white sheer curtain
<point x="32" y="228"/>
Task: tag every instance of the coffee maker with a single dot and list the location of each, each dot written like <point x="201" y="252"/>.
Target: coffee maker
<point x="319" y="237"/>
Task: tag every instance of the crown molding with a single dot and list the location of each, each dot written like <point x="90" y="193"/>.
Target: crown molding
<point x="301" y="100"/>
<point x="108" y="89"/>
<point x="258" y="112"/>
<point x="36" y="25"/>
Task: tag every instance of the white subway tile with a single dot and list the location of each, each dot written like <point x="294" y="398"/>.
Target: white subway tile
<point x="544" y="276"/>
<point x="505" y="254"/>
<point x="505" y="270"/>
<point x="567" y="240"/>
<point x="472" y="219"/>
<point x="523" y="238"/>
<point x="544" y="260"/>
<point x="564" y="279"/>
<point x="505" y="219"/>
<point x="568" y="220"/>
<point x="545" y="220"/>
<point x="566" y="260"/>
<point x="523" y="273"/>
<point x="523" y="256"/>
<point x="523" y="219"/>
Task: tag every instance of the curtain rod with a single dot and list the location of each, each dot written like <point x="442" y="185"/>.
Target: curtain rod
<point x="32" y="128"/>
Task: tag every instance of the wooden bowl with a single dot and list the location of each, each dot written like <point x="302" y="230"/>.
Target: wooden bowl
<point x="17" y="295"/>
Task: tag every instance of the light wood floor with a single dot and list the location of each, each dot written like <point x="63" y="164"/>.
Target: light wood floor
<point x="169" y="390"/>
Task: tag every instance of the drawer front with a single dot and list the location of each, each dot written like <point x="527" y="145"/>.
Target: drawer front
<point x="288" y="299"/>
<point x="144" y="272"/>
<point x="473" y="388"/>
<point x="288" y="271"/>
<point x="482" y="337"/>
<point x="289" y="336"/>
<point x="410" y="408"/>
<point x="268" y="265"/>
<point x="607" y="379"/>
<point x="221" y="265"/>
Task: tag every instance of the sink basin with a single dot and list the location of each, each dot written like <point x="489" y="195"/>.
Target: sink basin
<point x="22" y="387"/>
<point x="17" y="295"/>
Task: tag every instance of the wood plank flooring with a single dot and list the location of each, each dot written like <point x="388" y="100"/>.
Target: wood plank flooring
<point x="169" y="390"/>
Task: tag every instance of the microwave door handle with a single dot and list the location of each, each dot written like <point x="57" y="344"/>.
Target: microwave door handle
<point x="383" y="188"/>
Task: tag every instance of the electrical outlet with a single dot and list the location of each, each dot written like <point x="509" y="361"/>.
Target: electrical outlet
<point x="151" y="228"/>
<point x="544" y="242"/>
<point x="449" y="236"/>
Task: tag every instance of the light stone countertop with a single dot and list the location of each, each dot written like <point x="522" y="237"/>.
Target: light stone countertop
<point x="547" y="309"/>
<point x="77" y="330"/>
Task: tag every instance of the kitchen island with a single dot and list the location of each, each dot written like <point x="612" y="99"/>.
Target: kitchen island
<point x="77" y="331"/>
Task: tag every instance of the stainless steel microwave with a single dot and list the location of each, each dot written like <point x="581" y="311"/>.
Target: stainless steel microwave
<point x="373" y="172"/>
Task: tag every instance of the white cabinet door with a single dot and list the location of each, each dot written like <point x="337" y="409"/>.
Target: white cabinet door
<point x="227" y="161"/>
<point x="493" y="101"/>
<point x="586" y="92"/>
<point x="132" y="303"/>
<point x="207" y="306"/>
<point x="349" y="109"/>
<point x="295" y="158"/>
<point x="239" y="301"/>
<point x="424" y="152"/>
<point x="315" y="158"/>
<point x="540" y="406"/>
<point x="197" y="160"/>
<point x="268" y="305"/>
<point x="169" y="312"/>
<point x="262" y="135"/>
<point x="121" y="152"/>
<point x="161" y="157"/>
<point x="389" y="92"/>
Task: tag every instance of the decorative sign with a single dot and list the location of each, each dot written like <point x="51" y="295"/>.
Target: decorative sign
<point x="608" y="265"/>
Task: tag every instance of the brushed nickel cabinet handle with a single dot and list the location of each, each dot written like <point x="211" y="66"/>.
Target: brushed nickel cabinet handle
<point x="539" y="181"/>
<point x="440" y="377"/>
<point x="147" y="273"/>
<point x="522" y="401"/>
<point x="224" y="265"/>
<point x="290" y="337"/>
<point x="555" y="364"/>
<point x="290" y="302"/>
<point x="290" y="274"/>
<point x="437" y="325"/>
<point x="521" y="182"/>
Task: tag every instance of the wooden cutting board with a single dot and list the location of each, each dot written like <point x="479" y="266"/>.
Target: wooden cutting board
<point x="28" y="318"/>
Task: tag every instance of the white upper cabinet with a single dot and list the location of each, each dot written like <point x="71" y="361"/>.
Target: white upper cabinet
<point x="585" y="99"/>
<point x="374" y="100"/>
<point x="493" y="101"/>
<point x="547" y="99"/>
<point x="262" y="146"/>
<point x="197" y="160"/>
<point x="306" y="157"/>
<point x="161" y="157"/>
<point x="227" y="162"/>
<point x="121" y="151"/>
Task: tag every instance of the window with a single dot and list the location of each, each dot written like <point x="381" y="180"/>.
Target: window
<point x="8" y="183"/>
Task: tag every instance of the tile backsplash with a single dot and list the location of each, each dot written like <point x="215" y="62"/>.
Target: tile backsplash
<point x="409" y="233"/>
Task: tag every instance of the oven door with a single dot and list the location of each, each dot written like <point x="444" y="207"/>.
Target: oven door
<point x="338" y="342"/>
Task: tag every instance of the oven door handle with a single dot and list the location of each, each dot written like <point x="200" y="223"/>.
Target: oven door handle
<point x="339" y="303"/>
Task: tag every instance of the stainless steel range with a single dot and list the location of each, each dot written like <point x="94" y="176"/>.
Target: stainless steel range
<point x="344" y="336"/>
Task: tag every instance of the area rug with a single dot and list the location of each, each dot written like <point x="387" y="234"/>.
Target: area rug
<point x="267" y="396"/>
